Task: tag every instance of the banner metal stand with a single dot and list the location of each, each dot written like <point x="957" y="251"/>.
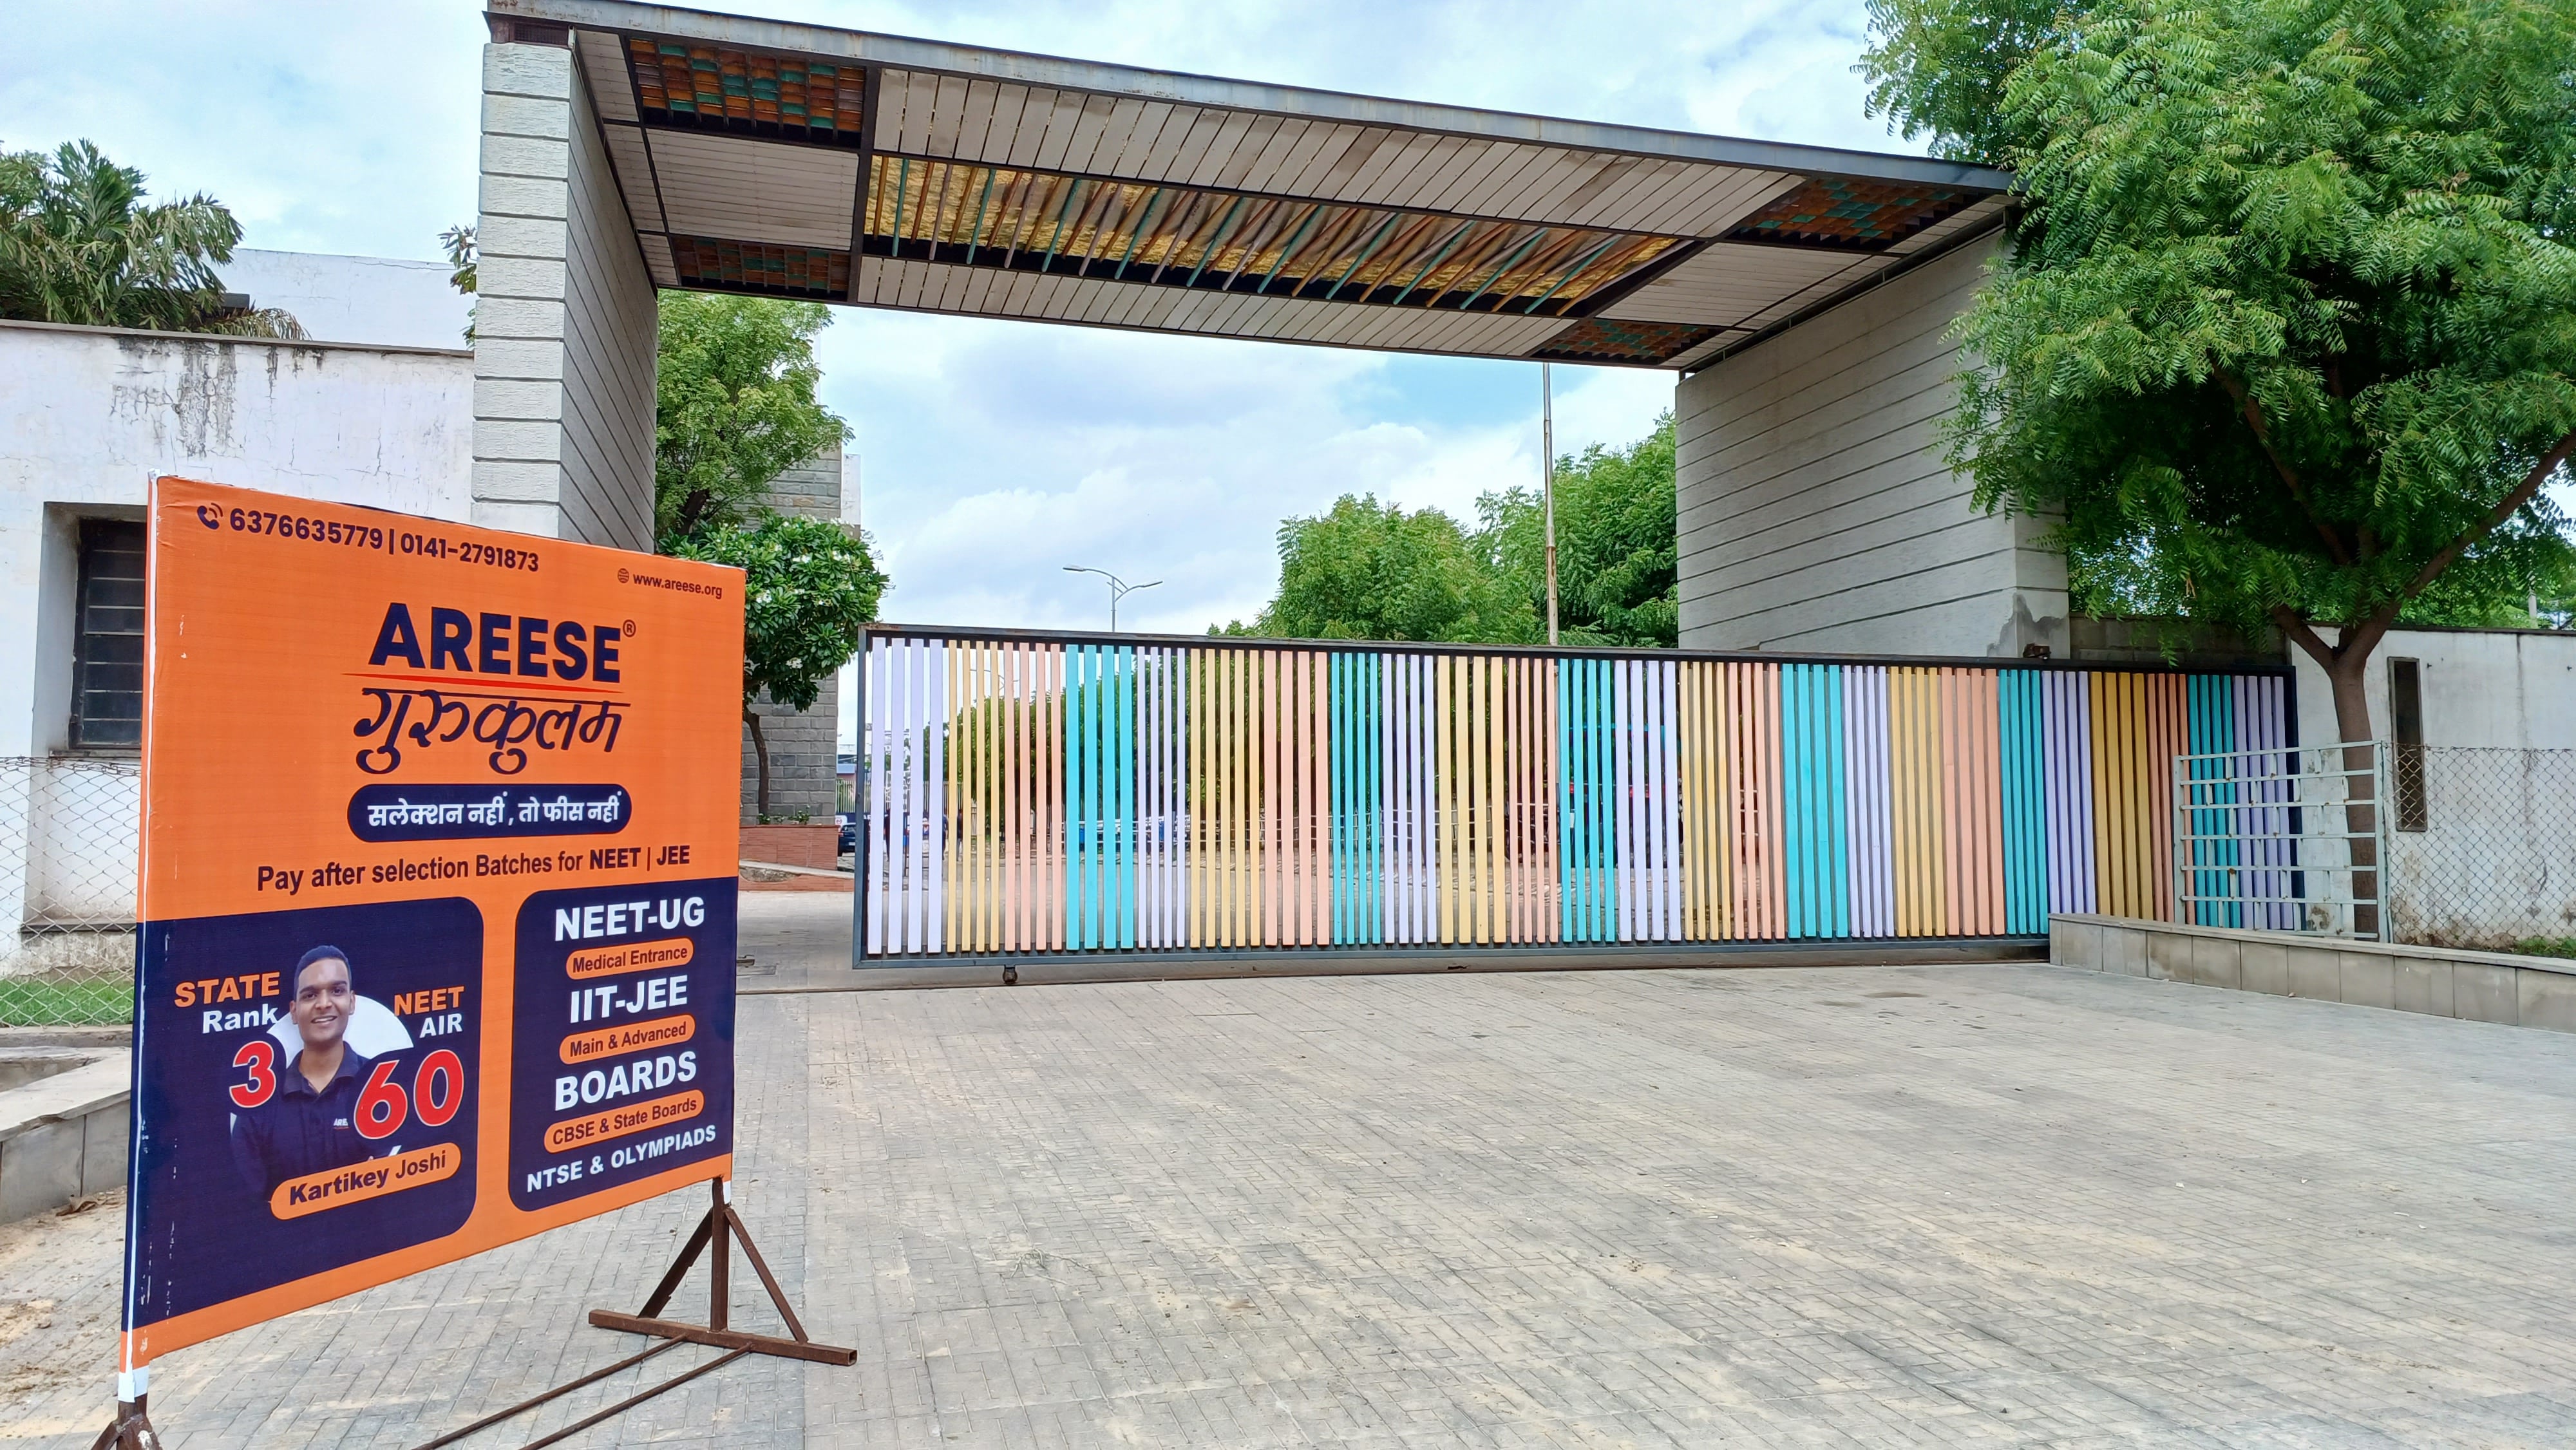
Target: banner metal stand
<point x="130" y="1430"/>
<point x="721" y="1228"/>
<point x="718" y="1230"/>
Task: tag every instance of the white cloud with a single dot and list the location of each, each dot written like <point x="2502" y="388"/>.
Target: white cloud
<point x="333" y="128"/>
<point x="995" y="453"/>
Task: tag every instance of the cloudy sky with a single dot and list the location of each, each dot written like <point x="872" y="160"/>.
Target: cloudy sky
<point x="994" y="454"/>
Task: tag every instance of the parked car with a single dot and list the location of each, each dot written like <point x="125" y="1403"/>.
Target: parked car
<point x="849" y="825"/>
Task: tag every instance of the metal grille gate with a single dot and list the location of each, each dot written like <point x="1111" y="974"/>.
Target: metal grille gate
<point x="1037" y="794"/>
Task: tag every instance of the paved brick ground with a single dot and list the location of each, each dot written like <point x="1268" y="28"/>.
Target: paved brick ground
<point x="1870" y="1206"/>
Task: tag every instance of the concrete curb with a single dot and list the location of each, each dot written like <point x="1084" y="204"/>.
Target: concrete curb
<point x="65" y="1136"/>
<point x="2499" y="987"/>
<point x="995" y="971"/>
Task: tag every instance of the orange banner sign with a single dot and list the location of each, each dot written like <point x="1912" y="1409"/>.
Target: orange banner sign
<point x="425" y="965"/>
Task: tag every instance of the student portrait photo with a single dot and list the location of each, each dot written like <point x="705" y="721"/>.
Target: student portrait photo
<point x="309" y="1123"/>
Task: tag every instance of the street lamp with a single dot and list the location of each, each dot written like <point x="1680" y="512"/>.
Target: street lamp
<point x="1118" y="589"/>
<point x="1547" y="484"/>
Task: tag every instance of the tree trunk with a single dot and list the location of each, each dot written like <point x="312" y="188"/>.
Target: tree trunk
<point x="2349" y="677"/>
<point x="2347" y="660"/>
<point x="693" y="505"/>
<point x="760" y="755"/>
<point x="2346" y="663"/>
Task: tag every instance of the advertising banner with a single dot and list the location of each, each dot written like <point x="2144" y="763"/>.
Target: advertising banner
<point x="437" y="942"/>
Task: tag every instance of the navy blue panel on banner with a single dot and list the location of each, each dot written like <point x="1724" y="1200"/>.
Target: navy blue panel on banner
<point x="464" y="812"/>
<point x="622" y="1035"/>
<point x="307" y="1092"/>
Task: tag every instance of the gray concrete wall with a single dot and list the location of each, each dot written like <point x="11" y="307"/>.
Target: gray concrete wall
<point x="1816" y="513"/>
<point x="2477" y="986"/>
<point x="563" y="358"/>
<point x="2491" y="863"/>
<point x="2512" y="688"/>
<point x="803" y="745"/>
<point x="94" y="412"/>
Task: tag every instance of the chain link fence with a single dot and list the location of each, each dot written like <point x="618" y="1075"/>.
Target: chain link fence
<point x="69" y="837"/>
<point x="2482" y="848"/>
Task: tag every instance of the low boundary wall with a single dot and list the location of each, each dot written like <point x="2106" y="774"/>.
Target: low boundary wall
<point x="2517" y="991"/>
<point x="64" y="1136"/>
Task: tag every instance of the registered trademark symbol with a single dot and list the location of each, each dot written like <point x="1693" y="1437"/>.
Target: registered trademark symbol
<point x="630" y="629"/>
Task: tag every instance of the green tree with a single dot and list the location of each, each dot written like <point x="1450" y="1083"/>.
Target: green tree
<point x="810" y="588"/>
<point x="734" y="406"/>
<point x="1369" y="570"/>
<point x="1617" y="560"/>
<point x="462" y="261"/>
<point x="2287" y="330"/>
<point x="1936" y="68"/>
<point x="79" y="244"/>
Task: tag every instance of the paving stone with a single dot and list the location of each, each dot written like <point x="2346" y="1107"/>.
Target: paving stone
<point x="1964" y="1206"/>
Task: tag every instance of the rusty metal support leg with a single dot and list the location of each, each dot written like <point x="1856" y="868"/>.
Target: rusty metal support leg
<point x="631" y="1401"/>
<point x="679" y="1269"/>
<point x="719" y="1279"/>
<point x="760" y="1266"/>
<point x="523" y="1406"/>
<point x="130" y="1430"/>
<point x="721" y="1228"/>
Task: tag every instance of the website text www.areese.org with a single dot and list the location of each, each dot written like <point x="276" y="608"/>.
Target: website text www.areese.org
<point x="664" y="581"/>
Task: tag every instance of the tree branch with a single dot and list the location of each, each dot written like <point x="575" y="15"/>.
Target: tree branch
<point x="2252" y="412"/>
<point x="2304" y="637"/>
<point x="2367" y="634"/>
<point x="2513" y="502"/>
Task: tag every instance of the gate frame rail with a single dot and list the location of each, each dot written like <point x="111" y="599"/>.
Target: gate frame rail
<point x="2207" y="789"/>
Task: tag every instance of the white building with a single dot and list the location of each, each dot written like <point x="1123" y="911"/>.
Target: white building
<point x="88" y="416"/>
<point x="376" y="409"/>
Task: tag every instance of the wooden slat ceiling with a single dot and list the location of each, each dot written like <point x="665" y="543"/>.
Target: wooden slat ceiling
<point x="818" y="168"/>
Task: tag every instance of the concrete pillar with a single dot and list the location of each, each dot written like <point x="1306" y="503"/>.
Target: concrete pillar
<point x="563" y="355"/>
<point x="804" y="745"/>
<point x="1816" y="513"/>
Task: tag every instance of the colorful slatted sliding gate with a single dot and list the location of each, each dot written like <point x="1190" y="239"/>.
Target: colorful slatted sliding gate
<point x="1037" y="794"/>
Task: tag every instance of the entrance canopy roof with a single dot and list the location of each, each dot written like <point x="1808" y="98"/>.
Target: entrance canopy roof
<point x="800" y="161"/>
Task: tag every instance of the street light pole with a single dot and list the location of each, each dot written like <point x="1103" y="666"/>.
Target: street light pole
<point x="1547" y="482"/>
<point x="1118" y="589"/>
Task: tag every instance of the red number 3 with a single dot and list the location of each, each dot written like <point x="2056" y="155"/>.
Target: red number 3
<point x="260" y="1056"/>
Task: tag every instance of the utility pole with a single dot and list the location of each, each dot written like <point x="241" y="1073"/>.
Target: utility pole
<point x="1118" y="589"/>
<point x="1547" y="483"/>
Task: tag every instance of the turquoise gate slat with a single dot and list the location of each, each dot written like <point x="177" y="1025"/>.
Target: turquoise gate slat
<point x="1100" y="796"/>
<point x="1587" y="853"/>
<point x="2211" y="706"/>
<point x="1356" y="757"/>
<point x="1812" y="769"/>
<point x="2021" y="731"/>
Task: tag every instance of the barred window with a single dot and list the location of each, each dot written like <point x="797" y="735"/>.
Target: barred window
<point x="2406" y="726"/>
<point x="107" y="648"/>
